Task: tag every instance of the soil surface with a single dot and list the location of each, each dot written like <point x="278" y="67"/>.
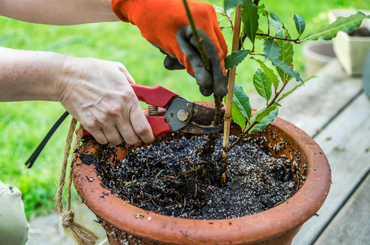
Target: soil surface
<point x="170" y="178"/>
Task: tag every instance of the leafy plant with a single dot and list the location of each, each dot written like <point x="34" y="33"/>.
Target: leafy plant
<point x="276" y="62"/>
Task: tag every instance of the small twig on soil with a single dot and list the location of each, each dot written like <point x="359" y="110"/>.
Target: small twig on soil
<point x="191" y="162"/>
<point x="171" y="206"/>
<point x="123" y="188"/>
<point x="158" y="175"/>
<point x="153" y="202"/>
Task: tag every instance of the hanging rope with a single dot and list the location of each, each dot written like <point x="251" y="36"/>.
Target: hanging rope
<point x="82" y="235"/>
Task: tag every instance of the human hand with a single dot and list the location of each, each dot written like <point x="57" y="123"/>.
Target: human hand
<point x="164" y="24"/>
<point x="99" y="95"/>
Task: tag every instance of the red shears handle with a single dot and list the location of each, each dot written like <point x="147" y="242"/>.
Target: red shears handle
<point x="157" y="96"/>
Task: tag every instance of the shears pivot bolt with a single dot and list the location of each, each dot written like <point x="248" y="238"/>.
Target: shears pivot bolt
<point x="182" y="115"/>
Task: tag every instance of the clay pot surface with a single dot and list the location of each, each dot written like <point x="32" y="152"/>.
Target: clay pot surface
<point x="277" y="225"/>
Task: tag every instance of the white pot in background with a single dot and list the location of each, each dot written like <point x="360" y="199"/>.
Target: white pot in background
<point x="351" y="51"/>
<point x="317" y="55"/>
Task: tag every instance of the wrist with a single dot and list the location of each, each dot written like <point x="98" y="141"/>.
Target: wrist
<point x="65" y="81"/>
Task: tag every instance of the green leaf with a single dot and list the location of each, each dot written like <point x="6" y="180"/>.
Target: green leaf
<point x="250" y="19"/>
<point x="286" y="47"/>
<point x="260" y="31"/>
<point x="228" y="12"/>
<point x="286" y="69"/>
<point x="259" y="115"/>
<point x="274" y="16"/>
<point x="270" y="73"/>
<point x="300" y="24"/>
<point x="242" y="100"/>
<point x="262" y="83"/>
<point x="293" y="89"/>
<point x="265" y="121"/>
<point x="219" y="9"/>
<point x="259" y="37"/>
<point x="230" y="4"/>
<point x="327" y="32"/>
<point x="286" y="52"/>
<point x="271" y="49"/>
<point x="274" y="23"/>
<point x="237" y="116"/>
<point x="235" y="58"/>
<point x="262" y="9"/>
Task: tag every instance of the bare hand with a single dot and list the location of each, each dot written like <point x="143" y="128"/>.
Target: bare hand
<point x="98" y="94"/>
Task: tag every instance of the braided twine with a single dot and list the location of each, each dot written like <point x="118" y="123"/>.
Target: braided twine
<point x="81" y="234"/>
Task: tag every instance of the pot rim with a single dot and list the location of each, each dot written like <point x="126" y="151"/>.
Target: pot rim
<point x="274" y="222"/>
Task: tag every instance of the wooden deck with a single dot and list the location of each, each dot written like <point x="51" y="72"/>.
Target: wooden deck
<point x="335" y="111"/>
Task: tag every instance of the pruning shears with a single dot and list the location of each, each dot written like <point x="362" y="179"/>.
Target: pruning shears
<point x="180" y="115"/>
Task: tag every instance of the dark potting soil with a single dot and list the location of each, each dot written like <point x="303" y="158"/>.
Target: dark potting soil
<point x="168" y="178"/>
<point x="360" y="32"/>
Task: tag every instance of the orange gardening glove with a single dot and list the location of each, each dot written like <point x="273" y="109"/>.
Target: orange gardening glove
<point x="165" y="25"/>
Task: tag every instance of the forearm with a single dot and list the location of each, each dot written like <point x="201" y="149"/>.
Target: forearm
<point x="96" y="92"/>
<point x="56" y="12"/>
<point x="30" y="75"/>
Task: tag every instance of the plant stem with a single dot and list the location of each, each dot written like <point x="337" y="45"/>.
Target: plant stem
<point x="203" y="54"/>
<point x="197" y="37"/>
<point x="232" y="73"/>
<point x="218" y="102"/>
<point x="242" y="136"/>
<point x="217" y="119"/>
<point x="246" y="132"/>
<point x="280" y="38"/>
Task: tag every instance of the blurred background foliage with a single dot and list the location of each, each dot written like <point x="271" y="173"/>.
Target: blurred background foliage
<point x="24" y="124"/>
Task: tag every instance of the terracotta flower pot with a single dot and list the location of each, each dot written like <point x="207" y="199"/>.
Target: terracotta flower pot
<point x="278" y="225"/>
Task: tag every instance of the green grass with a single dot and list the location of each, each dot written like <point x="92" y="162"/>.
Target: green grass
<point x="24" y="124"/>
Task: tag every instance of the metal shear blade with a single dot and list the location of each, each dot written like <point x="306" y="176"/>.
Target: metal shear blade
<point x="194" y="128"/>
<point x="184" y="115"/>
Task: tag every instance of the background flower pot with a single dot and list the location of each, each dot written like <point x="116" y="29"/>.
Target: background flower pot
<point x="350" y="50"/>
<point x="124" y="222"/>
<point x="317" y="55"/>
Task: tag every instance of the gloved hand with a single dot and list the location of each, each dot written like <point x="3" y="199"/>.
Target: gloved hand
<point x="164" y="24"/>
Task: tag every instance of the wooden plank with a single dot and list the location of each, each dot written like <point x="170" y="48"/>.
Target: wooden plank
<point x="352" y="224"/>
<point x="46" y="230"/>
<point x="311" y="106"/>
<point x="346" y="143"/>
